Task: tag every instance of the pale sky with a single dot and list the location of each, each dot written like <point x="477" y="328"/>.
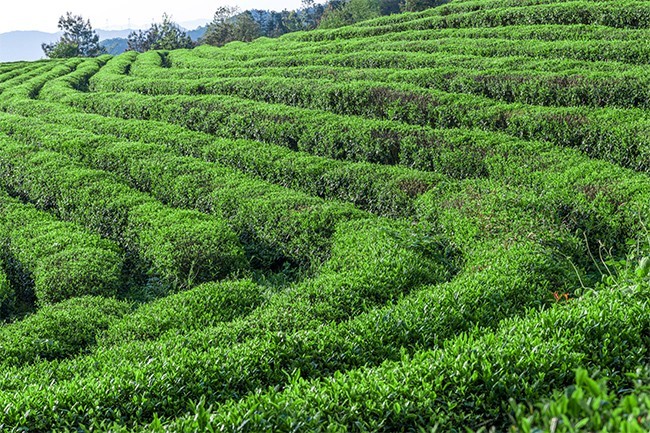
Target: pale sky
<point x="43" y="15"/>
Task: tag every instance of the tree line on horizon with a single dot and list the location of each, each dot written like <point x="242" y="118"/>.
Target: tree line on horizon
<point x="230" y="24"/>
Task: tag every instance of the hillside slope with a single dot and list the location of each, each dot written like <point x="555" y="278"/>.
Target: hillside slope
<point x="424" y="221"/>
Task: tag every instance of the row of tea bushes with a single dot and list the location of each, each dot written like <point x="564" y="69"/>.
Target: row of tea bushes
<point x="274" y="224"/>
<point x="385" y="190"/>
<point x="49" y="261"/>
<point x="177" y="247"/>
<point x="465" y="383"/>
<point x="285" y="336"/>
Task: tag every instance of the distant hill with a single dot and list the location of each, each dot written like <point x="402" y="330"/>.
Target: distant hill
<point x="197" y="33"/>
<point x="194" y="24"/>
<point x="26" y="45"/>
<point x="114" y="46"/>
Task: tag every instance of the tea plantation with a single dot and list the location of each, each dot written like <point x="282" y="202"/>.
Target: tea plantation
<point x="433" y="221"/>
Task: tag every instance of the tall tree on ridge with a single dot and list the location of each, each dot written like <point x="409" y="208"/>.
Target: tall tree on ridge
<point x="78" y="39"/>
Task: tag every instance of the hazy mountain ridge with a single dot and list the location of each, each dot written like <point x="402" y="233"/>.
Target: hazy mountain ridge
<point x="24" y="45"/>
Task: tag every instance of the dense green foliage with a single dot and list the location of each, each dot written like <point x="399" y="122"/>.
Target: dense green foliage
<point x="430" y="221"/>
<point x="78" y="39"/>
<point x="160" y="36"/>
<point x="588" y="406"/>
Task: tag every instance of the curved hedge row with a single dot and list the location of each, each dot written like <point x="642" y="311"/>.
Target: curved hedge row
<point x="597" y="131"/>
<point x="181" y="247"/>
<point x="614" y="135"/>
<point x="409" y="54"/>
<point x="273" y="223"/>
<point x="423" y="319"/>
<point x="507" y="158"/>
<point x="58" y="331"/>
<point x="535" y="354"/>
<point x="56" y="260"/>
<point x="384" y="190"/>
<point x="625" y="90"/>
<point x="624" y="14"/>
<point x="200" y="307"/>
<point x="30" y="87"/>
<point x="18" y="76"/>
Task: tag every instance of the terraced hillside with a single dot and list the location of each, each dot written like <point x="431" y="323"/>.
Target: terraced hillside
<point x="425" y="221"/>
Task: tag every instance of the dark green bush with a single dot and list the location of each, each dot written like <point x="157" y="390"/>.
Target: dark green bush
<point x="200" y="307"/>
<point x="588" y="406"/>
<point x="390" y="255"/>
<point x="59" y="331"/>
<point x="179" y="247"/>
<point x="185" y="247"/>
<point x="62" y="260"/>
<point x="77" y="271"/>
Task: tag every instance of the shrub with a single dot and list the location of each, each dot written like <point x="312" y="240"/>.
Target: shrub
<point x="58" y="331"/>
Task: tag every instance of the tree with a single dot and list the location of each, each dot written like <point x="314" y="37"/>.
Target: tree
<point x="312" y="13"/>
<point x="165" y="36"/>
<point x="138" y="41"/>
<point x="389" y="7"/>
<point x="346" y="12"/>
<point x="246" y="28"/>
<point x="222" y="28"/>
<point x="291" y="21"/>
<point x="78" y="39"/>
<point x="229" y="24"/>
<point x="274" y="25"/>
